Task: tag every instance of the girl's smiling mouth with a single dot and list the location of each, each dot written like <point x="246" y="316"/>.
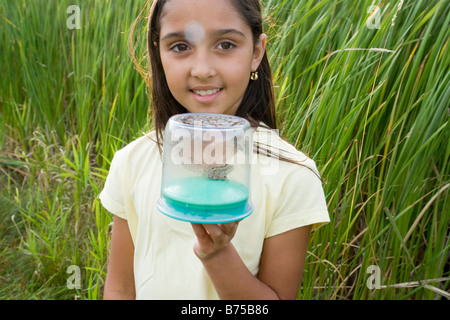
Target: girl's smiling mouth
<point x="206" y="95"/>
<point x="206" y="92"/>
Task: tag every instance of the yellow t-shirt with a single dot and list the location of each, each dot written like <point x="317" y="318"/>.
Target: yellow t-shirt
<point x="285" y="196"/>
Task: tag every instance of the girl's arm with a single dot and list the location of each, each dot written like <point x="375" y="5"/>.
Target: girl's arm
<point x="120" y="278"/>
<point x="281" y="265"/>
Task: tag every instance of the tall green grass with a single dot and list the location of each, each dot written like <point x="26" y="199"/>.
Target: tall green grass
<point x="369" y="105"/>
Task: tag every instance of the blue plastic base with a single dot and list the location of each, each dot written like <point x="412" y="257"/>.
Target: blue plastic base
<point x="204" y="216"/>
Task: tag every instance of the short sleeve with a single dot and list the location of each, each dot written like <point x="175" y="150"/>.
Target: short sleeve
<point x="301" y="202"/>
<point x="112" y="196"/>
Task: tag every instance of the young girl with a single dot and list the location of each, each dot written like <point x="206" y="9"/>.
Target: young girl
<point x="209" y="56"/>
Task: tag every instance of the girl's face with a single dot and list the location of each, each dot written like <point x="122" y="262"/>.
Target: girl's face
<point x="207" y="52"/>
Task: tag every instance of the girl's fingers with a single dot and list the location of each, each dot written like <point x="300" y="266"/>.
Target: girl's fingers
<point x="199" y="230"/>
<point x="209" y="234"/>
<point x="230" y="228"/>
<point x="217" y="234"/>
<point x="212" y="238"/>
<point x="215" y="231"/>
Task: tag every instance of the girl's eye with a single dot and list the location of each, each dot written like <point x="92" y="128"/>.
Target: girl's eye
<point x="180" y="47"/>
<point x="226" y="45"/>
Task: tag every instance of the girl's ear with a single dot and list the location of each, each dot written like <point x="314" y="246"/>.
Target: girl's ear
<point x="258" y="53"/>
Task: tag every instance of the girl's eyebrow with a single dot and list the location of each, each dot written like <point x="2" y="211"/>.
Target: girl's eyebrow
<point x="176" y="35"/>
<point x="220" y="32"/>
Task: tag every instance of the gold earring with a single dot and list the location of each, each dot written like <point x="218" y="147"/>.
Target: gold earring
<point x="254" y="76"/>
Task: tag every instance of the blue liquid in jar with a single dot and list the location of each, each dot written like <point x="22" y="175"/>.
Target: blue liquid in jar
<point x="201" y="195"/>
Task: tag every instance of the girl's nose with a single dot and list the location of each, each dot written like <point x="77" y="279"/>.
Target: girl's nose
<point x="202" y="67"/>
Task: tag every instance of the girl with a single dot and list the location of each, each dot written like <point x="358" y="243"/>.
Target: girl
<point x="209" y="56"/>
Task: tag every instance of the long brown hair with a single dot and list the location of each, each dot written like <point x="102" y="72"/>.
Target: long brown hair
<point x="258" y="103"/>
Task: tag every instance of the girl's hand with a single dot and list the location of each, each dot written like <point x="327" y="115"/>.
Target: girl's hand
<point x="212" y="238"/>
